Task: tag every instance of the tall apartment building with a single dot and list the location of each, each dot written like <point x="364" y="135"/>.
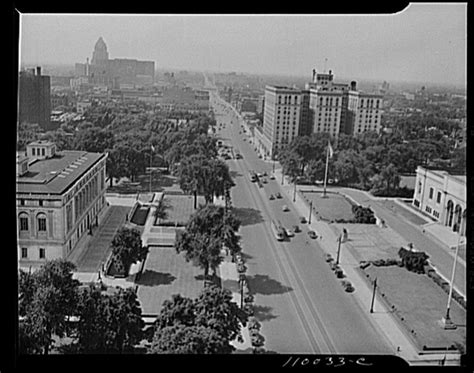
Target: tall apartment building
<point x="34" y="98"/>
<point x="339" y="108"/>
<point x="59" y="196"/>
<point x="281" y="118"/>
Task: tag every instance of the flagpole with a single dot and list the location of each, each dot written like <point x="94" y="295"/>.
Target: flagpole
<point x="326" y="172"/>
<point x="151" y="156"/>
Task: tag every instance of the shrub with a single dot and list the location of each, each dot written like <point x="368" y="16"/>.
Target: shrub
<point x="339" y="273"/>
<point x="349" y="289"/>
<point x="333" y="266"/>
<point x="363" y="215"/>
<point x="329" y="258"/>
<point x="257" y="340"/>
<point x="254" y="324"/>
<point x="414" y="261"/>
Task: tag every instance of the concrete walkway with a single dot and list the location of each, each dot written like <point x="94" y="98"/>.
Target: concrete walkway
<point x="382" y="319"/>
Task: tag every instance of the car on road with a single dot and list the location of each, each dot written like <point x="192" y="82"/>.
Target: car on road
<point x="312" y="234"/>
<point x="265" y="173"/>
<point x="272" y="197"/>
<point x="272" y="177"/>
<point x="238" y="156"/>
<point x="296" y="228"/>
<point x="302" y="220"/>
<point x="290" y="233"/>
<point x="285" y="208"/>
<point x="278" y="195"/>
<point x="264" y="180"/>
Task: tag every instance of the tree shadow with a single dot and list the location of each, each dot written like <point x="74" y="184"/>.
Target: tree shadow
<point x="263" y="313"/>
<point x="262" y="284"/>
<point x="247" y="215"/>
<point x="153" y="278"/>
<point x="234" y="174"/>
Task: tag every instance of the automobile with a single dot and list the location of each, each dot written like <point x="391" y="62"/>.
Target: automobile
<point x="272" y="177"/>
<point x="265" y="173"/>
<point x="238" y="156"/>
<point x="278" y="195"/>
<point x="312" y="234"/>
<point x="296" y="228"/>
<point x="290" y="233"/>
<point x="245" y="139"/>
<point x="259" y="174"/>
<point x="272" y="197"/>
<point x="302" y="220"/>
<point x="264" y="180"/>
<point x="285" y="208"/>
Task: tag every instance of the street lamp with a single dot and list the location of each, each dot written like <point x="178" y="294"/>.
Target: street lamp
<point x="448" y="324"/>
<point x="310" y="210"/>
<point x="338" y="249"/>
<point x="294" y="189"/>
<point x="373" y="296"/>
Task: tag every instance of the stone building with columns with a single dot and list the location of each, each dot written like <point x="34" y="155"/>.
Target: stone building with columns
<point x="442" y="196"/>
<point x="59" y="196"/>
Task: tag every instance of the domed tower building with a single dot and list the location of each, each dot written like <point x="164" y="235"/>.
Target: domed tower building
<point x="100" y="56"/>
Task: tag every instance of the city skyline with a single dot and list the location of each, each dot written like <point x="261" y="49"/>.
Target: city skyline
<point x="424" y="42"/>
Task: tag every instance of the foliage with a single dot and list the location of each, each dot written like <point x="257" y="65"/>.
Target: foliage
<point x="47" y="297"/>
<point x="414" y="261"/>
<point x="94" y="139"/>
<point x="206" y="324"/>
<point x="161" y="209"/>
<point x="363" y="215"/>
<point x="127" y="246"/>
<point x="108" y="323"/>
<point x="26" y="133"/>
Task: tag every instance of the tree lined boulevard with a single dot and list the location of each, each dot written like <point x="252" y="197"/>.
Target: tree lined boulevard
<point x="303" y="307"/>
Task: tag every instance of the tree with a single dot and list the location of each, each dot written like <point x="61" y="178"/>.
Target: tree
<point x="205" y="325"/>
<point x="94" y="139"/>
<point x="315" y="170"/>
<point x="26" y="133"/>
<point x="108" y="323"/>
<point x="47" y="298"/>
<point x="127" y="247"/>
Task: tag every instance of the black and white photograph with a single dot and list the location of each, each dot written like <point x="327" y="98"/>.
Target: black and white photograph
<point x="278" y="184"/>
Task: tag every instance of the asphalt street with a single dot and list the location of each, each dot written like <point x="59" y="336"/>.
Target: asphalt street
<point x="301" y="304"/>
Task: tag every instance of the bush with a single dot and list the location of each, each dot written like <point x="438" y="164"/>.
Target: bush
<point x="363" y="215"/>
<point x="254" y="324"/>
<point x="329" y="258"/>
<point x="257" y="340"/>
<point x="339" y="273"/>
<point x="414" y="261"/>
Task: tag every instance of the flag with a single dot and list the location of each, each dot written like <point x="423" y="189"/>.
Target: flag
<point x="331" y="151"/>
<point x="152" y="148"/>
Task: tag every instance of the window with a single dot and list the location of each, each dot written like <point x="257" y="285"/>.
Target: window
<point x="41" y="223"/>
<point x="33" y="151"/>
<point x="431" y="193"/>
<point x="438" y="197"/>
<point x="22" y="202"/>
<point x="24" y="252"/>
<point x="40" y="202"/>
<point x="419" y="187"/>
<point x="42" y="152"/>
<point x="42" y="253"/>
<point x="23" y="222"/>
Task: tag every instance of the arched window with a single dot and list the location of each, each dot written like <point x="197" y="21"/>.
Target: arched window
<point x="23" y="221"/>
<point x="41" y="220"/>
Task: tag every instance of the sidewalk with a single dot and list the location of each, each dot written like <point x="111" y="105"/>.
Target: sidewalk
<point x="382" y="319"/>
<point x="228" y="273"/>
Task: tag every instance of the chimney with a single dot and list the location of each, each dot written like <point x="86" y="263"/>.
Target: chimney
<point x="314" y="74"/>
<point x="87" y="66"/>
<point x="353" y="85"/>
<point x="38" y="70"/>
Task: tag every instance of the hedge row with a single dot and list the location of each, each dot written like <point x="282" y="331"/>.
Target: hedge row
<point x="445" y="286"/>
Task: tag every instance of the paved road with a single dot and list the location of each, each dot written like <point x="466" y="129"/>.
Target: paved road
<point x="301" y="304"/>
<point x="439" y="256"/>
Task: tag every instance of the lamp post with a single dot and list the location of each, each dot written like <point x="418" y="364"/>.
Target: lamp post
<point x="448" y="324"/>
<point x="373" y="296"/>
<point x="338" y="249"/>
<point x="282" y="175"/>
<point x="294" y="189"/>
<point x="310" y="210"/>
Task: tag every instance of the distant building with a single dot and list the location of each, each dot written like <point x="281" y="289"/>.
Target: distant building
<point x="58" y="198"/>
<point x="34" y="104"/>
<point x="442" y="196"/>
<point x="115" y="73"/>
<point x="281" y="119"/>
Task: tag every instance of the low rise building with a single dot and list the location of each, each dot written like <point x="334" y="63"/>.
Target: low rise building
<point x="442" y="196"/>
<point x="59" y="196"/>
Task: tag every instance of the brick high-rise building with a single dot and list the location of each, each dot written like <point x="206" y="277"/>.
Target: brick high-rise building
<point x="34" y="99"/>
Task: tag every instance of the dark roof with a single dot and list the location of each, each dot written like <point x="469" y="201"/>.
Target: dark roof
<point x="55" y="175"/>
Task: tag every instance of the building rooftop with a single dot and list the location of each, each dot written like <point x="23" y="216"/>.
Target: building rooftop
<point x="55" y="175"/>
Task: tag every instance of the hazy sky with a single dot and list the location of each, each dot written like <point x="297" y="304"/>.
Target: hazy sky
<point x="424" y="43"/>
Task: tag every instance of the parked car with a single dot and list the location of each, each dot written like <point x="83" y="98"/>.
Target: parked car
<point x="272" y="197"/>
<point x="278" y="195"/>
<point x="272" y="177"/>
<point x="285" y="208"/>
<point x="312" y="234"/>
<point x="264" y="180"/>
<point x="296" y="228"/>
<point x="290" y="233"/>
<point x="302" y="220"/>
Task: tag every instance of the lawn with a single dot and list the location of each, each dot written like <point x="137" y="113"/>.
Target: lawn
<point x="419" y="305"/>
<point x="166" y="273"/>
<point x="182" y="206"/>
<point x="334" y="206"/>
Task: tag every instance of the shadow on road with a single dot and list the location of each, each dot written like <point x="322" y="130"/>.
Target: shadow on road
<point x="262" y="284"/>
<point x="247" y="215"/>
<point x="263" y="313"/>
<point x="153" y="278"/>
<point x="234" y="174"/>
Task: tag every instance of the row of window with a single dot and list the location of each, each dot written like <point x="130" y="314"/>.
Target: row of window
<point x="287" y="99"/>
<point x="40" y="222"/>
<point x="431" y="193"/>
<point x="36" y="151"/>
<point x="41" y="253"/>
